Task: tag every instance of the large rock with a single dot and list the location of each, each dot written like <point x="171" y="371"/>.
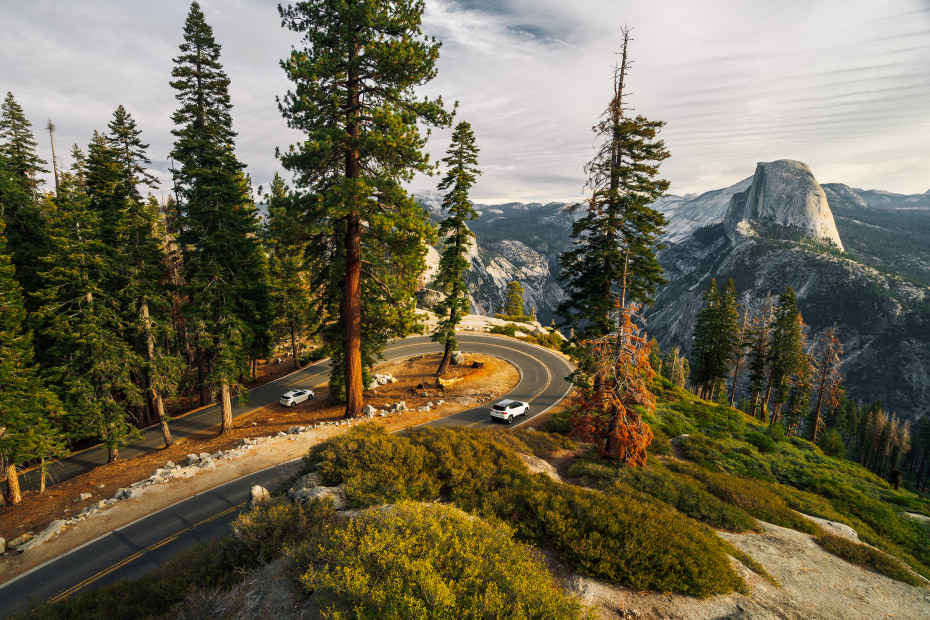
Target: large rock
<point x="259" y="496"/>
<point x="310" y="487"/>
<point x="428" y="299"/>
<point x="783" y="193"/>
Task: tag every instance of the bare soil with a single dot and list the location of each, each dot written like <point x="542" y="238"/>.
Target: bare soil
<point x="416" y="386"/>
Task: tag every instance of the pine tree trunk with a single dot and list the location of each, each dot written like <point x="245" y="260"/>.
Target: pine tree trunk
<point x="735" y="380"/>
<point x="113" y="455"/>
<point x="226" y="406"/>
<point x="163" y="420"/>
<point x="446" y="358"/>
<point x="612" y="430"/>
<point x="352" y="308"/>
<point x="294" y="350"/>
<point x="13" y="494"/>
<point x="447" y="354"/>
<point x="42" y="473"/>
<point x="152" y="393"/>
<point x="353" y="319"/>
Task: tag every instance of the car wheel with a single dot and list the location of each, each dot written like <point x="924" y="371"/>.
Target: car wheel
<point x="510" y="419"/>
<point x="526" y="411"/>
<point x="293" y="403"/>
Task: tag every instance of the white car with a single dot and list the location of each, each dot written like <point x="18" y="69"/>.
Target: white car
<point x="295" y="397"/>
<point x="507" y="410"/>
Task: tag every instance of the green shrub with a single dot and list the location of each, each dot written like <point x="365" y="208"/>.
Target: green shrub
<point x="541" y="444"/>
<point x="748" y="495"/>
<point x="375" y="467"/>
<point x="832" y="444"/>
<point x="641" y="544"/>
<point x="260" y="535"/>
<point x="465" y="464"/>
<point x="704" y="451"/>
<point x="867" y="556"/>
<point x="660" y="444"/>
<point x="686" y="495"/>
<point x="508" y="330"/>
<point x="428" y="561"/>
<point x="550" y="340"/>
<point x="636" y="543"/>
<point x="519" y="318"/>
<point x="762" y="442"/>
<point x="560" y="423"/>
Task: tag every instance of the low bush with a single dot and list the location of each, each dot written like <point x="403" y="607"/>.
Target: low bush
<point x="508" y="330"/>
<point x="518" y="318"/>
<point x="641" y="544"/>
<point x="636" y="543"/>
<point x="660" y="444"/>
<point x="374" y="467"/>
<point x="867" y="556"/>
<point x="550" y="340"/>
<point x="541" y="444"/>
<point x="560" y="423"/>
<point x="761" y="441"/>
<point x="258" y="536"/>
<point x="685" y="494"/>
<point x="748" y="495"/>
<point x="428" y="561"/>
<point x="704" y="451"/>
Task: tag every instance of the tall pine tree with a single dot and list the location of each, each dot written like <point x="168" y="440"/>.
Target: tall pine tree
<point x="27" y="407"/>
<point x="786" y="357"/>
<point x="462" y="163"/>
<point x="20" y="209"/>
<point x="225" y="271"/>
<point x="354" y="79"/>
<point x="91" y="364"/>
<point x="140" y="268"/>
<point x="615" y="241"/>
<point x="290" y="264"/>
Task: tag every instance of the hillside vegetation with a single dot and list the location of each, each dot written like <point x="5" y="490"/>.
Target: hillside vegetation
<point x="451" y="523"/>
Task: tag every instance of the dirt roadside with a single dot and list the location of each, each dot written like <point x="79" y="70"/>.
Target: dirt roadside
<point x="415" y="385"/>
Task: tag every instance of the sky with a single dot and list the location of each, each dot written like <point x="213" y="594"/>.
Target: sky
<point x="842" y="85"/>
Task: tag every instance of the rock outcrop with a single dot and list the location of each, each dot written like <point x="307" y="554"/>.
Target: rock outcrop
<point x="784" y="193"/>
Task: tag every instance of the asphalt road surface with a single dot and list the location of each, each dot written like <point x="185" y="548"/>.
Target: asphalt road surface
<point x="133" y="550"/>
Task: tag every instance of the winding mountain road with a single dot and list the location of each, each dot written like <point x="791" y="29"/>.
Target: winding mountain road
<point x="135" y="549"/>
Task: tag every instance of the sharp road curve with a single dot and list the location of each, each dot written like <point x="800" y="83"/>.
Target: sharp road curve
<point x="133" y="550"/>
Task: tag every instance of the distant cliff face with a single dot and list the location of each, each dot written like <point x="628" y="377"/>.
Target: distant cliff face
<point x="882" y="320"/>
<point x="784" y="193"/>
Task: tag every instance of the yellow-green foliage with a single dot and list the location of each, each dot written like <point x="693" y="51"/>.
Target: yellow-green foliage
<point x="749" y="495"/>
<point x="864" y="555"/>
<point x="412" y="561"/>
<point x="375" y="467"/>
<point x="640" y="544"/>
<point x="466" y="464"/>
<point x="660" y="444"/>
<point x="685" y="494"/>
<point x="531" y="442"/>
<point x="259" y="535"/>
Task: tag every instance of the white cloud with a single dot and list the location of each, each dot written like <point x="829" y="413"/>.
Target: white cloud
<point x="839" y="84"/>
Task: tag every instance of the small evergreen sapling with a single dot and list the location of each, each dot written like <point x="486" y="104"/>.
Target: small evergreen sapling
<point x="462" y="162"/>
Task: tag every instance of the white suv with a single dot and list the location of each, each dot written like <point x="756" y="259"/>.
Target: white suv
<point x="294" y="397"/>
<point x="507" y="410"/>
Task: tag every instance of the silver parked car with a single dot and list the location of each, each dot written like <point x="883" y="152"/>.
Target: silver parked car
<point x="295" y="397"/>
<point x="507" y="410"/>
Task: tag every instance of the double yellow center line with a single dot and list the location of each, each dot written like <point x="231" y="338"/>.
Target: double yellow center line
<point x="161" y="543"/>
